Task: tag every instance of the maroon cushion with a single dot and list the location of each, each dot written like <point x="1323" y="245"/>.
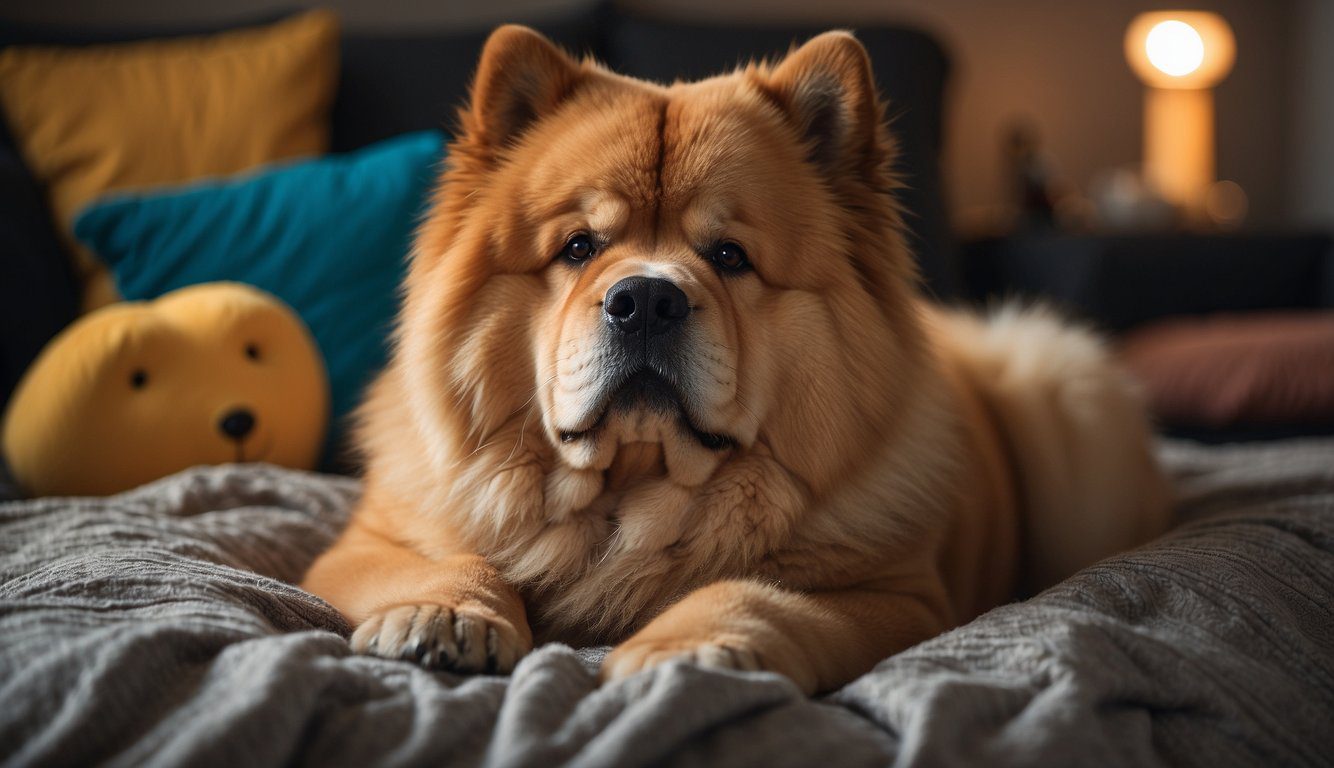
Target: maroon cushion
<point x="1260" y="369"/>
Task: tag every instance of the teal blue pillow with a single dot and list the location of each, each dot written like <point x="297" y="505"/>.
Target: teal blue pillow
<point x="328" y="236"/>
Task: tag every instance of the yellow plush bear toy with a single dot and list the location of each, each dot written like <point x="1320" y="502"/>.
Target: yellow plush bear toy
<point x="207" y="374"/>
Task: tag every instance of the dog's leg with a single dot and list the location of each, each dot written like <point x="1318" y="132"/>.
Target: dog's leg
<point x="456" y="612"/>
<point x="820" y="640"/>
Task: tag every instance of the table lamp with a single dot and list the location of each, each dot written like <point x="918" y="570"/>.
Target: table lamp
<point x="1180" y="56"/>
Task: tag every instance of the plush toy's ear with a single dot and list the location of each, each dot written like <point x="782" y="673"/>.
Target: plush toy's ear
<point x="826" y="87"/>
<point x="520" y="78"/>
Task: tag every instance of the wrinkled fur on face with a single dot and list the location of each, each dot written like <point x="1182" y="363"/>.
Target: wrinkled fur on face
<point x="812" y="364"/>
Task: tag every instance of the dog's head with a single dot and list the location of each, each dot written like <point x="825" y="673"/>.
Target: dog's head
<point x="700" y="268"/>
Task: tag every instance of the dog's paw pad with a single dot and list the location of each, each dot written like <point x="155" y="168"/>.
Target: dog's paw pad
<point x="440" y="637"/>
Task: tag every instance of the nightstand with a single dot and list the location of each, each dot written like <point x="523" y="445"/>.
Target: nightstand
<point x="1120" y="281"/>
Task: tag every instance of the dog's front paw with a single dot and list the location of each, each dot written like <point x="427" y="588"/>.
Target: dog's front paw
<point x="441" y="637"/>
<point x="635" y="655"/>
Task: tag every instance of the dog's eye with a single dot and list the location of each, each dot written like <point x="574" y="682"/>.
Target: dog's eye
<point x="139" y="378"/>
<point x="252" y="351"/>
<point x="730" y="257"/>
<point x="578" y="248"/>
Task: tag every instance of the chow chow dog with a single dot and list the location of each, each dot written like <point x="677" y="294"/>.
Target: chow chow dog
<point x="663" y="380"/>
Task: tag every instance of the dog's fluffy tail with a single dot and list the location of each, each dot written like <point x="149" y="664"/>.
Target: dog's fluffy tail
<point x="1076" y="428"/>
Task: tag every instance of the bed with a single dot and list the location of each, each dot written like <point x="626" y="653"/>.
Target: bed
<point x="162" y="627"/>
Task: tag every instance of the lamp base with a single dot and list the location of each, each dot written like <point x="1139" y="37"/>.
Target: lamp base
<point x="1179" y="146"/>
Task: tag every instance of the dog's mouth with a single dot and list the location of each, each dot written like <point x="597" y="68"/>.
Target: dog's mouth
<point x="649" y="390"/>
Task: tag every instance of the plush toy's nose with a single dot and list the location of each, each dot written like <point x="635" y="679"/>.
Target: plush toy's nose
<point x="237" y="423"/>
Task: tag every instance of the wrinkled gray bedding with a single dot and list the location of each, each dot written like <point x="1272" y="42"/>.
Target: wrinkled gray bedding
<point x="160" y="627"/>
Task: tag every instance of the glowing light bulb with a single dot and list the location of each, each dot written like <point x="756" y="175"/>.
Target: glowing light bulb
<point x="1175" y="48"/>
<point x="1181" y="56"/>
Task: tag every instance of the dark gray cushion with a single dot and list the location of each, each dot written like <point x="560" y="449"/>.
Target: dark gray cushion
<point x="394" y="84"/>
<point x="14" y="33"/>
<point x="37" y="296"/>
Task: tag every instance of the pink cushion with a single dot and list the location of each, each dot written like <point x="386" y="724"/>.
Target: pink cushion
<point x="1270" y="368"/>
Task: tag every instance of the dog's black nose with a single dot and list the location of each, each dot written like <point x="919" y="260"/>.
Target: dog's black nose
<point x="637" y="303"/>
<point x="237" y="423"/>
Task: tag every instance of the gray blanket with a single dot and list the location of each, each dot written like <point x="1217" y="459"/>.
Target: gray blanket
<point x="161" y="627"/>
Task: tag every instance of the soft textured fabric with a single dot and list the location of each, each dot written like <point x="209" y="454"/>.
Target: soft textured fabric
<point x="160" y="627"/>
<point x="133" y="115"/>
<point x="1254" y="369"/>
<point x="330" y="237"/>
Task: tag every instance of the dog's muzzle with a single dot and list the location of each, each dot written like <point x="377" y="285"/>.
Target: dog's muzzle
<point x="647" y="340"/>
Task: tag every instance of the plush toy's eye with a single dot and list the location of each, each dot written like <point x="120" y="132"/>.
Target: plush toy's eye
<point x="252" y="351"/>
<point x="729" y="257"/>
<point x="139" y="379"/>
<point x="578" y="248"/>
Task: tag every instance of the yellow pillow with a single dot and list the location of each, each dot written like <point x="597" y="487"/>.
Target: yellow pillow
<point x="207" y="374"/>
<point x="93" y="119"/>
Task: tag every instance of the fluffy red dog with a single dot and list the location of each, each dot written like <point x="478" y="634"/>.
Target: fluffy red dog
<point x="664" y="380"/>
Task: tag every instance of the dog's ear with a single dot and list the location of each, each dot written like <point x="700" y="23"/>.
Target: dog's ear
<point x="521" y="76"/>
<point x="826" y="87"/>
